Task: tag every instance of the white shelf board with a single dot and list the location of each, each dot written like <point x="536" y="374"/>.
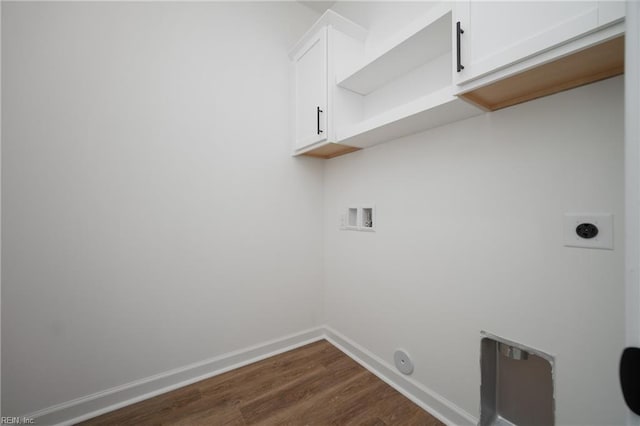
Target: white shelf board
<point x="427" y="112"/>
<point x="418" y="43"/>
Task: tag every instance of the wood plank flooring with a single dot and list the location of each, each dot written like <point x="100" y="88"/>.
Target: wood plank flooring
<point x="313" y="385"/>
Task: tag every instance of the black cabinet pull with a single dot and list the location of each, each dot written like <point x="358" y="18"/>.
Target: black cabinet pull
<point x="318" y="111"/>
<point x="459" y="31"/>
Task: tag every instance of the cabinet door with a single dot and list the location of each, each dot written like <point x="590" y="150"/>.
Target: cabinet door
<point x="311" y="91"/>
<point x="610" y="12"/>
<point x="498" y="34"/>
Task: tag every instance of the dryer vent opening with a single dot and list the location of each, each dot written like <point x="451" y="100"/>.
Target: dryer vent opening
<point x="517" y="384"/>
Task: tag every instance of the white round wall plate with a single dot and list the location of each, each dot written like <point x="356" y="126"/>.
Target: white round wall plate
<point x="403" y="362"/>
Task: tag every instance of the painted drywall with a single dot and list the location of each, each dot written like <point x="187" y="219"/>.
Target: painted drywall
<point x="632" y="181"/>
<point x="382" y="19"/>
<point x="152" y="213"/>
<point x="469" y="237"/>
<point x="632" y="169"/>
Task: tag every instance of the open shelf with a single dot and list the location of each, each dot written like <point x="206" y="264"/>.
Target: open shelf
<point x="404" y="87"/>
<point x="426" y="112"/>
<point x="418" y="44"/>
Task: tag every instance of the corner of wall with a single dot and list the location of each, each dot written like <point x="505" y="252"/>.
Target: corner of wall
<point x="425" y="398"/>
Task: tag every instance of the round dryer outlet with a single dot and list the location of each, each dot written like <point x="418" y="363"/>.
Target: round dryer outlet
<point x="403" y="362"/>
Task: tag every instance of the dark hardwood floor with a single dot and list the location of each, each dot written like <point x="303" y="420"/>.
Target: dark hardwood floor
<point x="313" y="385"/>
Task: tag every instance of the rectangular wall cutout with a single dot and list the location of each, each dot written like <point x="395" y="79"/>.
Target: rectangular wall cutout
<point x="516" y="384"/>
<point x="352" y="217"/>
<point x="360" y="218"/>
<point x="368" y="219"/>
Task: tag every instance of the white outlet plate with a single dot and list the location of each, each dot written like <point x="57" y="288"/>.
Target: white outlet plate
<point x="604" y="222"/>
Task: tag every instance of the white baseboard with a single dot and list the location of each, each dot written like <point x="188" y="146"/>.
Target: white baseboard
<point x="84" y="408"/>
<point x="77" y="410"/>
<point x="441" y="408"/>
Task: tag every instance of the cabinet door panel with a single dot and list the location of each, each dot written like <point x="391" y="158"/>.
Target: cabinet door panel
<point x="498" y="34"/>
<point x="610" y="12"/>
<point x="311" y="92"/>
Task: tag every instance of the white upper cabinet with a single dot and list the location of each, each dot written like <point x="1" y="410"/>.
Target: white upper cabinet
<point x="498" y="34"/>
<point x="610" y="12"/>
<point x="355" y="89"/>
<point x="311" y="91"/>
<point x="333" y="41"/>
<point x="370" y="93"/>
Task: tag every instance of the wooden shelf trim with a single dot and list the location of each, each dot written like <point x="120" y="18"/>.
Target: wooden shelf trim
<point x="330" y="150"/>
<point x="592" y="64"/>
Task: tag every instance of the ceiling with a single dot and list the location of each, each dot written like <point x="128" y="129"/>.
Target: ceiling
<point x="318" y="6"/>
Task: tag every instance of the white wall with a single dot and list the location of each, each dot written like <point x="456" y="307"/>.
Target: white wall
<point x="382" y="19"/>
<point x="632" y="180"/>
<point x="632" y="168"/>
<point x="152" y="214"/>
<point x="469" y="238"/>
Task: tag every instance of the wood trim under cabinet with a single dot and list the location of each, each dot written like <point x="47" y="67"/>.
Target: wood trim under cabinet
<point x="330" y="150"/>
<point x="595" y="63"/>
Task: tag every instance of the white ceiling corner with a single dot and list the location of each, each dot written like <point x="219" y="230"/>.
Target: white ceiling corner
<point x="317" y="5"/>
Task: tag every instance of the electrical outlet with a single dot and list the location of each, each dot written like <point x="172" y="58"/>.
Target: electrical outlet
<point x="588" y="230"/>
